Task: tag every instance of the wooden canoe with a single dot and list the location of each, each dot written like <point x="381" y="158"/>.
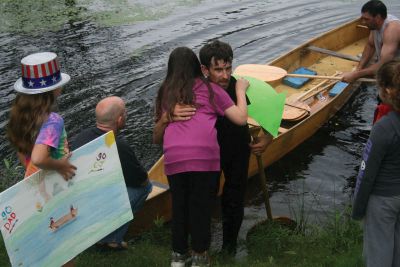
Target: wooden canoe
<point x="346" y="39"/>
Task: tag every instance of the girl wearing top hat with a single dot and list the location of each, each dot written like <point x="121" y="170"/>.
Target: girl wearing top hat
<point x="34" y="130"/>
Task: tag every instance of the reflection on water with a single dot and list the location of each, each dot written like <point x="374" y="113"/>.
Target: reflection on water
<point x="121" y="48"/>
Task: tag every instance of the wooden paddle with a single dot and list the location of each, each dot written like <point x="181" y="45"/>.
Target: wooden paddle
<point x="296" y="100"/>
<point x="333" y="53"/>
<point x="296" y="111"/>
<point x="268" y="73"/>
<point x="319" y="91"/>
<point x="299" y="97"/>
<point x="286" y="221"/>
<point x="254" y="131"/>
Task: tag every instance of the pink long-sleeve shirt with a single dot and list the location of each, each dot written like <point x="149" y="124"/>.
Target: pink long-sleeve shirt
<point x="192" y="145"/>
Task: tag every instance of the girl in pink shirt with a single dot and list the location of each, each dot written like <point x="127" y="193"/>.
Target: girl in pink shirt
<point x="191" y="150"/>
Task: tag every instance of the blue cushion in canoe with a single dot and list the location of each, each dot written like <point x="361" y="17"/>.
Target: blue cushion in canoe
<point x="296" y="82"/>
<point x="337" y="89"/>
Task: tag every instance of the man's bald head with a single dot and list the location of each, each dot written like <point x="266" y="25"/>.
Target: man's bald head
<point x="109" y="111"/>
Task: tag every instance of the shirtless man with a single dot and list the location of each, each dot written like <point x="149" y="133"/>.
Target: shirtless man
<point x="383" y="40"/>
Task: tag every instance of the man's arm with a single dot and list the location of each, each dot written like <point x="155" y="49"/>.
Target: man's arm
<point x="159" y="128"/>
<point x="389" y="48"/>
<point x="181" y="113"/>
<point x="368" y="52"/>
<point x="391" y="41"/>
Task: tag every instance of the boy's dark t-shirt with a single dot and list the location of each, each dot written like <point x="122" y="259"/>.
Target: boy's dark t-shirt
<point x="232" y="138"/>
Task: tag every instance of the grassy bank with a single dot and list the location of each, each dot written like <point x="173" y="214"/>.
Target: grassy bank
<point x="337" y="243"/>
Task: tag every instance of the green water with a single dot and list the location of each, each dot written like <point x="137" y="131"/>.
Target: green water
<point x="36" y="16"/>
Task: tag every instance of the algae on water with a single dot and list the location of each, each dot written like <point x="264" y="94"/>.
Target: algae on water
<point x="35" y="16"/>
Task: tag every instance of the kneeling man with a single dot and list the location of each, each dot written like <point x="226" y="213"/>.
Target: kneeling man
<point x="111" y="116"/>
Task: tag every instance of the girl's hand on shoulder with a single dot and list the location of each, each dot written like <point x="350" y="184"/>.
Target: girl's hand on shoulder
<point x="242" y="84"/>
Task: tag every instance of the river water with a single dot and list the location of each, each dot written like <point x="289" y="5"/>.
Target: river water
<point x="121" y="47"/>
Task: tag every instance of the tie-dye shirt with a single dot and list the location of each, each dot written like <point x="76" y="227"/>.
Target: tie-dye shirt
<point x="52" y="133"/>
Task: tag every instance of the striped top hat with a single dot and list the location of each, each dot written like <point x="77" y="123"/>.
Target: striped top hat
<point x="40" y="73"/>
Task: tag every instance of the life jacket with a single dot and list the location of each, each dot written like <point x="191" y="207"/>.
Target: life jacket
<point x="380" y="111"/>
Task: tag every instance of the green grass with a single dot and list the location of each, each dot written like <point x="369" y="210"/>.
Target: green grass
<point x="3" y="254"/>
<point x="338" y="243"/>
<point x="9" y="175"/>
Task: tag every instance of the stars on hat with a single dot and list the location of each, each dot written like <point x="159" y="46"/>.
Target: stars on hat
<point x="41" y="82"/>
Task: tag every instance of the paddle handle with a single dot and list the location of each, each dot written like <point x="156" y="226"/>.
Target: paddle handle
<point x="319" y="91"/>
<point x="326" y="77"/>
<point x="316" y="87"/>
<point x="263" y="183"/>
<point x="263" y="180"/>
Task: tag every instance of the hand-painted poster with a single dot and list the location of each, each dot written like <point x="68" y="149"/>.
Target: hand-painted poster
<point x="47" y="221"/>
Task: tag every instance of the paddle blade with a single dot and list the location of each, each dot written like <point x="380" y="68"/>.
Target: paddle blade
<point x="266" y="105"/>
<point x="264" y="73"/>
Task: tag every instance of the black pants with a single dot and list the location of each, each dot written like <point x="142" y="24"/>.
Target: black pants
<point x="193" y="199"/>
<point x="235" y="170"/>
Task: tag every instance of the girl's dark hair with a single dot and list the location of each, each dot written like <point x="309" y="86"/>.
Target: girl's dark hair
<point x="177" y="87"/>
<point x="388" y="77"/>
<point x="28" y="112"/>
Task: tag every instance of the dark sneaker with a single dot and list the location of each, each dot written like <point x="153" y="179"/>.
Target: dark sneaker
<point x="200" y="260"/>
<point x="179" y="260"/>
